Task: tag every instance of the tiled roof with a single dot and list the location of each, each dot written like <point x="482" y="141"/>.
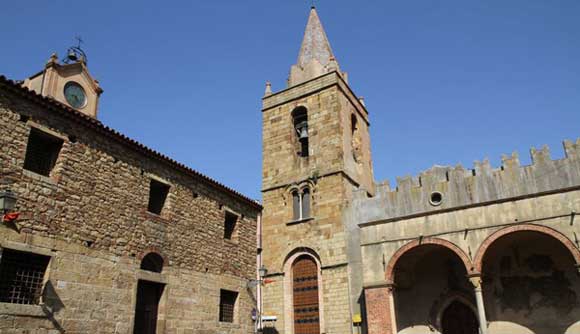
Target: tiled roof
<point x="95" y="124"/>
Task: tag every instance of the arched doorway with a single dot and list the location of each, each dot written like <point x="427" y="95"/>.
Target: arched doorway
<point x="148" y="296"/>
<point x="459" y="318"/>
<point x="305" y="295"/>
<point x="424" y="275"/>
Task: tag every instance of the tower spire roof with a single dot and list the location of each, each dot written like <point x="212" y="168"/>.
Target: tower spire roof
<point x="315" y="44"/>
<point x="315" y="57"/>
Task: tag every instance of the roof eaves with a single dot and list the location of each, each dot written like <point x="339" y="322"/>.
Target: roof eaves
<point x="121" y="138"/>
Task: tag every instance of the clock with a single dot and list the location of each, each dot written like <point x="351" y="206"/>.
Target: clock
<point x="75" y="95"/>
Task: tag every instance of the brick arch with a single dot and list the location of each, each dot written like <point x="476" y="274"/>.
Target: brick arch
<point x="523" y="228"/>
<point x="390" y="272"/>
<point x="151" y="249"/>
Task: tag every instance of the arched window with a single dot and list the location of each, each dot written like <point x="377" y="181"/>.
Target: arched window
<point x="305" y="296"/>
<point x="300" y="122"/>
<point x="301" y="204"/>
<point x="152" y="262"/>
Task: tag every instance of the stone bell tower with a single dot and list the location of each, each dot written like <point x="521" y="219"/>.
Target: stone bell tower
<point x="69" y="82"/>
<point x="316" y="152"/>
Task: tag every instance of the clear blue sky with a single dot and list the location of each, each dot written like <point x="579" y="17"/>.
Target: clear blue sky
<point x="445" y="82"/>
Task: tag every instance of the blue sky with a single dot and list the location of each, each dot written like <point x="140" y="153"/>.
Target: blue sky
<point x="445" y="82"/>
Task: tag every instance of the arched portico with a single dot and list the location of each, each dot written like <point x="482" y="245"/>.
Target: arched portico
<point x="478" y="261"/>
<point x="530" y="279"/>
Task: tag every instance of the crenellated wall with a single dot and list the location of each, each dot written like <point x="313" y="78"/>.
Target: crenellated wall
<point x="463" y="187"/>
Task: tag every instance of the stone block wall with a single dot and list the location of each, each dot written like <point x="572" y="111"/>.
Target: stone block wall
<point x="91" y="215"/>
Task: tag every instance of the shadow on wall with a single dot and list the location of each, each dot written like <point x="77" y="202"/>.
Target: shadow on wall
<point x="531" y="285"/>
<point x="52" y="305"/>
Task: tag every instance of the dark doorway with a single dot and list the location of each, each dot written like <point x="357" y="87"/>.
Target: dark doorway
<point x="148" y="296"/>
<point x="458" y="318"/>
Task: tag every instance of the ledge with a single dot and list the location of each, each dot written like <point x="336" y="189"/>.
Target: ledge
<point x="150" y="276"/>
<point x="300" y="221"/>
<point x="23" y="310"/>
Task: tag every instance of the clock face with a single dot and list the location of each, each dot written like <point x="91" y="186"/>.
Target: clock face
<point x="75" y="95"/>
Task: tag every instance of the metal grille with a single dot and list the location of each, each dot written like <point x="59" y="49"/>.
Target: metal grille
<point x="21" y="277"/>
<point x="227" y="305"/>
<point x="41" y="152"/>
<point x="306" y="309"/>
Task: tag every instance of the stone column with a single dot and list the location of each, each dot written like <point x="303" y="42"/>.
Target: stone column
<point x="380" y="309"/>
<point x="476" y="281"/>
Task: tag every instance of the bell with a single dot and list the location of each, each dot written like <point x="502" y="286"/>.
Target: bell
<point x="72" y="55"/>
<point x="303" y="133"/>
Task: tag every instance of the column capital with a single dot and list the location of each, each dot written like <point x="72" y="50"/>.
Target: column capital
<point x="475" y="279"/>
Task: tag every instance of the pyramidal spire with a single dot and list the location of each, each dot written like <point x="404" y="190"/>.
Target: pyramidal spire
<point x="315" y="44"/>
<point x="315" y="57"/>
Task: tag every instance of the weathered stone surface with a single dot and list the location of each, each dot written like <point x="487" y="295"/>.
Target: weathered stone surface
<point x="91" y="216"/>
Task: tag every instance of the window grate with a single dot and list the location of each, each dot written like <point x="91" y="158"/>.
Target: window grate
<point x="227" y="305"/>
<point x="21" y="277"/>
<point x="41" y="152"/>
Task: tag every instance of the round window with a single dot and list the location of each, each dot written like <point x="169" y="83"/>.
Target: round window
<point x="75" y="95"/>
<point x="436" y="198"/>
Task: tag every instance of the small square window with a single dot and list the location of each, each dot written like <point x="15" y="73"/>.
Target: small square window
<point x="157" y="195"/>
<point x="227" y="305"/>
<point x="41" y="152"/>
<point x="230" y="225"/>
<point x="21" y="276"/>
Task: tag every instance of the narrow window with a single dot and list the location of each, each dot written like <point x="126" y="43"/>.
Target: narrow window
<point x="41" y="152"/>
<point x="296" y="205"/>
<point x="230" y="225"/>
<point x="300" y="120"/>
<point x="356" y="140"/>
<point x="305" y="203"/>
<point x="157" y="195"/>
<point x="21" y="277"/>
<point x="227" y="305"/>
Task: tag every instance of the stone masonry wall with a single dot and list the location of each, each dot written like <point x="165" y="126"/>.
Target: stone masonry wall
<point x="331" y="182"/>
<point x="91" y="213"/>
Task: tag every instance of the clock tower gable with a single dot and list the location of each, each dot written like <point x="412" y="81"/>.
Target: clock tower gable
<point x="68" y="83"/>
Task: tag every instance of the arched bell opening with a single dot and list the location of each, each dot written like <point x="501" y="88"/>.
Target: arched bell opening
<point x="530" y="280"/>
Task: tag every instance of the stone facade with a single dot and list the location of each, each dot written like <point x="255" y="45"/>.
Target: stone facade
<point x="453" y="250"/>
<point x="90" y="216"/>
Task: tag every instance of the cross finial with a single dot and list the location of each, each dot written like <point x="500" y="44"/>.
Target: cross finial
<point x="79" y="40"/>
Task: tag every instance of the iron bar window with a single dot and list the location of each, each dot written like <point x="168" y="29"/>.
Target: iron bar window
<point x="21" y="276"/>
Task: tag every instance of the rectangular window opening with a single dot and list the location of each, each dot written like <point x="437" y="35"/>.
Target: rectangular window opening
<point x="230" y="225"/>
<point x="157" y="195"/>
<point x="41" y="152"/>
<point x="227" y="305"/>
<point x="21" y="277"/>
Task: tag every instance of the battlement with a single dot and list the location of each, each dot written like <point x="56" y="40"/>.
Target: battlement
<point x="459" y="186"/>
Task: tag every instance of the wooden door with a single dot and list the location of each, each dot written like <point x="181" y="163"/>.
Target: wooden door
<point x="146" y="309"/>
<point x="305" y="285"/>
<point x="458" y="318"/>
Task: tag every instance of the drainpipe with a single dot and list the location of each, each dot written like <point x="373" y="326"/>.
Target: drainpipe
<point x="258" y="278"/>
